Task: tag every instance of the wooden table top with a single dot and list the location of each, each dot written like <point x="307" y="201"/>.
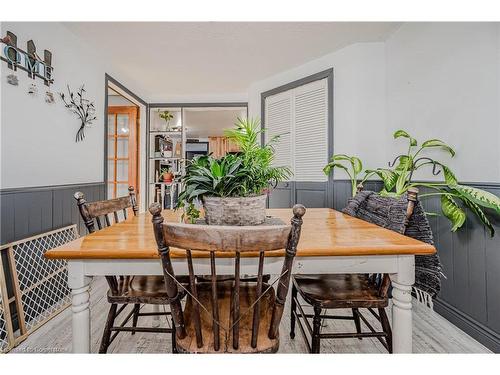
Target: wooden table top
<point x="325" y="232"/>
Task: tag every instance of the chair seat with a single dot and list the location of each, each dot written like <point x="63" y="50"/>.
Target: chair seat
<point x="339" y="291"/>
<point x="225" y="290"/>
<point x="143" y="289"/>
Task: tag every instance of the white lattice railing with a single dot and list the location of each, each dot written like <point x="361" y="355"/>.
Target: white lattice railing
<point x="40" y="285"/>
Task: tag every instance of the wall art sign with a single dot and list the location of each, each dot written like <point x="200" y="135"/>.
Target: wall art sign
<point x="29" y="61"/>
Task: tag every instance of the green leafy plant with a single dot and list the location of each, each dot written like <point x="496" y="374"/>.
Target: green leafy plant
<point x="257" y="160"/>
<point x="352" y="165"/>
<point x="455" y="198"/>
<point x="166" y="115"/>
<point x="247" y="173"/>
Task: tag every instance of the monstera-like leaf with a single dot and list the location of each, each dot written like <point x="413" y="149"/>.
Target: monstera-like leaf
<point x="438" y="143"/>
<point x="480" y="197"/>
<point x="452" y="211"/>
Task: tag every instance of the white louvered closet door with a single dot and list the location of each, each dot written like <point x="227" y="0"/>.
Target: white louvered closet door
<point x="301" y="113"/>
<point x="278" y="121"/>
<point x="311" y="131"/>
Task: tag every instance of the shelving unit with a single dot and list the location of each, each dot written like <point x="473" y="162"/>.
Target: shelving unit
<point x="166" y="150"/>
<point x="184" y="121"/>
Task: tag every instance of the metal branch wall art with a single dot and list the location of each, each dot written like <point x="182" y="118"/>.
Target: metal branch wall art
<point x="82" y="107"/>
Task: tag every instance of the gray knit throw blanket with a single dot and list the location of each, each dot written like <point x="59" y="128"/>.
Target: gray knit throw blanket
<point x="390" y="213"/>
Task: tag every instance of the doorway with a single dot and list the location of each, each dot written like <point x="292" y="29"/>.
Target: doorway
<point x="123" y="140"/>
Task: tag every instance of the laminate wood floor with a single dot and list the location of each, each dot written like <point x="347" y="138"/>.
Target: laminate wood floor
<point x="431" y="334"/>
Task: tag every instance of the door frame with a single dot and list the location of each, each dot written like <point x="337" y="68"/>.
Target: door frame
<point x="328" y="74"/>
<point x="143" y="109"/>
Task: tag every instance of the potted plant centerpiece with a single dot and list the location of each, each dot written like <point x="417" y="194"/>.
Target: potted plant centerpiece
<point x="233" y="189"/>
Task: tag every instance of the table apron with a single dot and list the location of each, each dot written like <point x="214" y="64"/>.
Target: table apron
<point x="273" y="265"/>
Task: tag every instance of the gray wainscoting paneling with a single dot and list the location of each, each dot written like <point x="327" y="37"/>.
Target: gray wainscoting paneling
<point x="470" y="292"/>
<point x="310" y="194"/>
<point x="25" y="212"/>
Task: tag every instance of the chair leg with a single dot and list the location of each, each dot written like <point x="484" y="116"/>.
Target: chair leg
<point x="137" y="307"/>
<point x="357" y="321"/>
<point x="106" y="335"/>
<point x="386" y="327"/>
<point x="292" y="312"/>
<point x="174" y="341"/>
<point x="316" y="330"/>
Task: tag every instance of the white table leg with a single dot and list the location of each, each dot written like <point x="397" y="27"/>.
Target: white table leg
<point x="401" y="308"/>
<point x="156" y="318"/>
<point x="80" y="306"/>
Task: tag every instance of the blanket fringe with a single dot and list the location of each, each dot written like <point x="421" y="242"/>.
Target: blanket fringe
<point x="423" y="297"/>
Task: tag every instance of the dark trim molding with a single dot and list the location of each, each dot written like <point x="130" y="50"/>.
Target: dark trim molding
<point x="299" y="82"/>
<point x="480" y="332"/>
<point x="47" y="187"/>
<point x="109" y="78"/>
<point x="328" y="74"/>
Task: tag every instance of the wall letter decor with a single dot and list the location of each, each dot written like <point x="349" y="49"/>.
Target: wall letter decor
<point x="28" y="61"/>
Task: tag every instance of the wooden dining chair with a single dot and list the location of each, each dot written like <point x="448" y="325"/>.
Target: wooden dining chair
<point x="352" y="291"/>
<point x="123" y="290"/>
<point x="232" y="315"/>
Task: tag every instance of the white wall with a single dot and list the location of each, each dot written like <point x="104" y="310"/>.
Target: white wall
<point x="443" y="81"/>
<point x="38" y="139"/>
<point x="435" y="80"/>
<point x="359" y="99"/>
<point x="118" y="100"/>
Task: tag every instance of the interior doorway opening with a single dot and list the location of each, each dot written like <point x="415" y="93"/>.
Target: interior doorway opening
<point x="124" y="138"/>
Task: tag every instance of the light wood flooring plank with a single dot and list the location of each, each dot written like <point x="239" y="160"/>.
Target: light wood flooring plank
<point x="431" y="333"/>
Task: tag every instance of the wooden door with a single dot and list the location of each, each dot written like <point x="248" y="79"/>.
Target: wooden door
<point x="123" y="150"/>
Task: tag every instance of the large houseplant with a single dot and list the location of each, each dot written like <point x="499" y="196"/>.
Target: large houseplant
<point x="456" y="199"/>
<point x="233" y="188"/>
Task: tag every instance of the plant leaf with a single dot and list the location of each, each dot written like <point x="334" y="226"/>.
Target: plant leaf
<point x="438" y="143"/>
<point x="401" y="183"/>
<point x="480" y="214"/>
<point x="405" y="163"/>
<point x="402" y="133"/>
<point x="388" y="177"/>
<point x="449" y="176"/>
<point x="453" y="212"/>
<point x="357" y="165"/>
<point x="480" y="197"/>
<point x="330" y="166"/>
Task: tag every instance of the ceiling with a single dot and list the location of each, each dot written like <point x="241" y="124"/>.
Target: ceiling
<point x="174" y="59"/>
<point x="210" y="122"/>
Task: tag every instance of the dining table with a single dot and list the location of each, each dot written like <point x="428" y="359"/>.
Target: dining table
<point x="330" y="242"/>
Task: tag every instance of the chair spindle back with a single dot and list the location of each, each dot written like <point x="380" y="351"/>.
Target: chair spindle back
<point x="226" y="241"/>
<point x="93" y="212"/>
